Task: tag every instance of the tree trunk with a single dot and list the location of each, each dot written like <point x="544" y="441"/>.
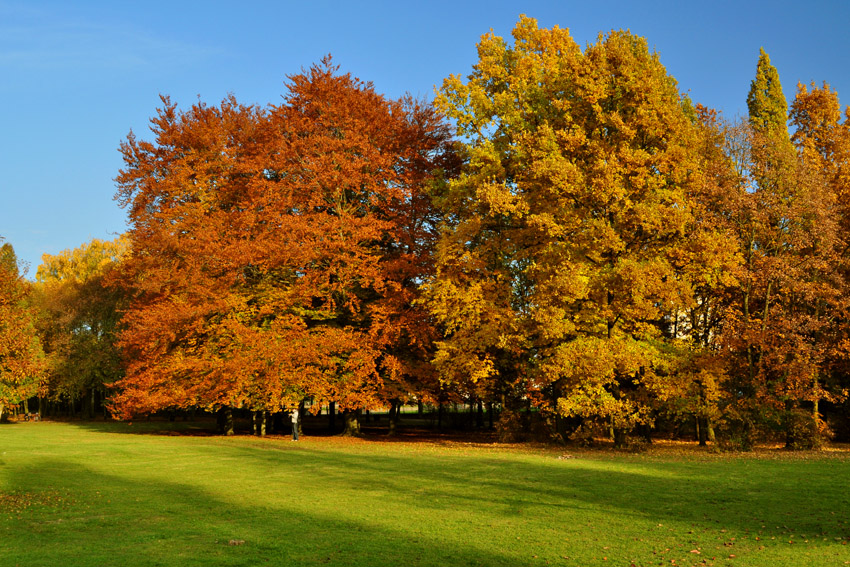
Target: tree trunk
<point x="790" y="437"/>
<point x="300" y="417"/>
<point x="479" y="419"/>
<point x="225" y="420"/>
<point x="395" y="406"/>
<point x="646" y="431"/>
<point x="620" y="439"/>
<point x="702" y="431"/>
<point x="561" y="428"/>
<point x="815" y="415"/>
<point x="264" y="418"/>
<point x="352" y="423"/>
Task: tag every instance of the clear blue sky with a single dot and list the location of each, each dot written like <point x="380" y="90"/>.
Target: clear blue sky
<point x="76" y="77"/>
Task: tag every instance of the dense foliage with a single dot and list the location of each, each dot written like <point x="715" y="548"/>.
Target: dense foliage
<point x="593" y="253"/>
<point x="21" y="357"/>
<point x="78" y="320"/>
<point x="276" y="252"/>
<point x="571" y="236"/>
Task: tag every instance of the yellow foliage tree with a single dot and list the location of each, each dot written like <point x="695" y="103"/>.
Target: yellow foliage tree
<point x="79" y="314"/>
<point x="565" y="256"/>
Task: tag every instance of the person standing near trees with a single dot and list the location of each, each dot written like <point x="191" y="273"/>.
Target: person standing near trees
<point x="295" y="424"/>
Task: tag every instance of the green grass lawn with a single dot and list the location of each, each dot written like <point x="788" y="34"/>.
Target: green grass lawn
<point x="109" y="494"/>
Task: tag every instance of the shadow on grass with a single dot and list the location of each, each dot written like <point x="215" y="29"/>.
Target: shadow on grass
<point x="505" y="494"/>
<point x="793" y="496"/>
<point x="764" y="498"/>
<point x="109" y="520"/>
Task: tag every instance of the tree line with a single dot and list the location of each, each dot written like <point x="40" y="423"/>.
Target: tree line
<point x="562" y="235"/>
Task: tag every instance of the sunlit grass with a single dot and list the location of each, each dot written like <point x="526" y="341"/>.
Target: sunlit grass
<point x="101" y="495"/>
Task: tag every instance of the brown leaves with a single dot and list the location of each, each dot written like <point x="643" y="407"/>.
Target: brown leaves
<point x="18" y="503"/>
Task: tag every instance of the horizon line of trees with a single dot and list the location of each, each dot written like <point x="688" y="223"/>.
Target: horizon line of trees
<point x="583" y="247"/>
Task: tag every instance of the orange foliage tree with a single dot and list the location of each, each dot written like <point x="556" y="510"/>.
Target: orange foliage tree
<point x="276" y="252"/>
<point x="778" y="312"/>
<point x="823" y="139"/>
<point x="21" y="358"/>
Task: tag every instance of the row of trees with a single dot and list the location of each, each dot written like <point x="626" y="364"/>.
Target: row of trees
<point x="593" y="250"/>
<point x="617" y="254"/>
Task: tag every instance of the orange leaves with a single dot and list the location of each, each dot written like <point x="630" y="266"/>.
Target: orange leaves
<point x="276" y="250"/>
<point x="22" y="363"/>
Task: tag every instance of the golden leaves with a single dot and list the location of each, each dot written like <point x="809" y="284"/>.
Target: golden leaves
<point x="558" y="267"/>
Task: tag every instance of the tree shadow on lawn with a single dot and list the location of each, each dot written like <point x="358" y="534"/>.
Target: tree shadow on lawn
<point x="785" y="496"/>
<point x="113" y="521"/>
<point x="195" y="428"/>
<point x="661" y="500"/>
<point x="764" y="498"/>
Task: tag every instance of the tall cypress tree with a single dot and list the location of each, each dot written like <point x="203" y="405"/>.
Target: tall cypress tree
<point x="788" y="284"/>
<point x="8" y="258"/>
<point x="766" y="102"/>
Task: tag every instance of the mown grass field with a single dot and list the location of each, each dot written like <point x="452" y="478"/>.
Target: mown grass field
<point x="123" y="495"/>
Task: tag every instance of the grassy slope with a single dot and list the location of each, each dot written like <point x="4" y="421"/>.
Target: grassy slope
<point x="98" y="495"/>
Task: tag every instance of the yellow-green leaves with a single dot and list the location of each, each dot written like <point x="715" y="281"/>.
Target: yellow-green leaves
<point x="766" y="101"/>
<point x="79" y="264"/>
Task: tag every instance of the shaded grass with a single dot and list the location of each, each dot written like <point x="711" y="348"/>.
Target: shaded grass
<point x="90" y="494"/>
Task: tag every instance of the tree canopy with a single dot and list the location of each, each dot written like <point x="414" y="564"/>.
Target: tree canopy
<point x="275" y="252"/>
<point x="21" y="357"/>
<point x="562" y="235"/>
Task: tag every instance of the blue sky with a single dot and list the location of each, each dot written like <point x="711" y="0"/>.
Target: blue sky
<point x="76" y="77"/>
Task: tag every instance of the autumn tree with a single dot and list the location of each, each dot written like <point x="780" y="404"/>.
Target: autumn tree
<point x="276" y="252"/>
<point x="21" y="357"/>
<point x="784" y="218"/>
<point x="768" y="110"/>
<point x="182" y="193"/>
<point x="823" y="140"/>
<point x="710" y="261"/>
<point x="78" y="318"/>
<point x="561" y="257"/>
